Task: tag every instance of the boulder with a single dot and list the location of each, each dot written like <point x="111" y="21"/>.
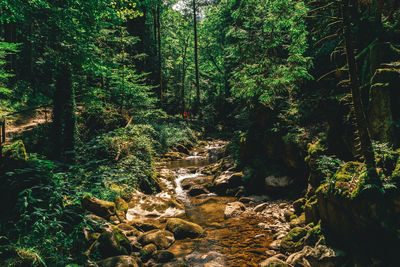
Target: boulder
<point x="119" y="261"/>
<point x="148" y="251"/>
<point x="299" y="221"/>
<point x="183" y="229"/>
<point x="144" y="225"/>
<point x="298" y="206"/>
<point x="163" y="256"/>
<point x="121" y="204"/>
<point x="273" y="183"/>
<point x="196" y="190"/>
<point x="234" y="209"/>
<point x="111" y="243"/>
<point x="162" y="205"/>
<point x="99" y="207"/>
<point x="294" y="240"/>
<point x="288" y="214"/>
<point x="161" y="238"/>
<point x="227" y="180"/>
<point x="261" y="207"/>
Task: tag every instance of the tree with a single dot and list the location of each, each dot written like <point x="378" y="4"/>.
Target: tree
<point x="196" y="63"/>
<point x="366" y="148"/>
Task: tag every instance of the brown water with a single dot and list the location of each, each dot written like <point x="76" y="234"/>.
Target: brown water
<point x="236" y="241"/>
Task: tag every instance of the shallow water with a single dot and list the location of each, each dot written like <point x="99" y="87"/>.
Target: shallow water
<point x="236" y="241"/>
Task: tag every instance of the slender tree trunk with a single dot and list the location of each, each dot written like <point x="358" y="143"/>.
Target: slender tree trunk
<point x="159" y="55"/>
<point x="366" y="148"/>
<point x="183" y="104"/>
<point x="64" y="117"/>
<point x="196" y="57"/>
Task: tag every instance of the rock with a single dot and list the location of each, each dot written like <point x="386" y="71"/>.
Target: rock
<point x="321" y="255"/>
<point x="163" y="256"/>
<point x="99" y="207"/>
<point x="275" y="245"/>
<point x="287" y="214"/>
<point x="128" y="229"/>
<point x="261" y="207"/>
<point x="227" y="180"/>
<point x="234" y="209"/>
<point x="148" y="251"/>
<point x="197" y="190"/>
<point x="112" y="243"/>
<point x="298" y="206"/>
<point x="182" y="149"/>
<point x="245" y="200"/>
<point x="119" y="261"/>
<point x="121" y="204"/>
<point x="299" y="221"/>
<point x="273" y="262"/>
<point x="161" y="238"/>
<point x="162" y="205"/>
<point x="144" y="225"/>
<point x="294" y="240"/>
<point x="382" y="108"/>
<point x="273" y="183"/>
<point x="182" y="229"/>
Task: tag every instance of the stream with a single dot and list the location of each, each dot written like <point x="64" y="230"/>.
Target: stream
<point x="243" y="240"/>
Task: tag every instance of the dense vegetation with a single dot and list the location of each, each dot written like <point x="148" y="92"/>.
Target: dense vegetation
<point x="302" y="89"/>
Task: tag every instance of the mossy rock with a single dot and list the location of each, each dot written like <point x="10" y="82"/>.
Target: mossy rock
<point x="347" y="181"/>
<point x="298" y="206"/>
<point x="299" y="221"/>
<point x="294" y="240"/>
<point x="111" y="243"/>
<point x="99" y="207"/>
<point x="183" y="229"/>
<point x="121" y="204"/>
<point x="311" y="210"/>
<point x="15" y="152"/>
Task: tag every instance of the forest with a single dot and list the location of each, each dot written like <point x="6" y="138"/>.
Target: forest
<point x="203" y="133"/>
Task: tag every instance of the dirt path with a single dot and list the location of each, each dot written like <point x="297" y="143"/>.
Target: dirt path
<point x="25" y="121"/>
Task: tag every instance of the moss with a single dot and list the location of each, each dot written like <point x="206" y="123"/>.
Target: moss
<point x="298" y="221"/>
<point x="16" y="151"/>
<point x="121" y="204"/>
<point x="294" y="240"/>
<point x="314" y="149"/>
<point x="311" y="209"/>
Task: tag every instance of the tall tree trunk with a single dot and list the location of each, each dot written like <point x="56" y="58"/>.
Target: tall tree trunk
<point x="366" y="148"/>
<point x="196" y="57"/>
<point x="183" y="104"/>
<point x="159" y="55"/>
<point x="64" y="117"/>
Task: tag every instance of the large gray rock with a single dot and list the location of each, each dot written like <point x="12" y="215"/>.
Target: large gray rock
<point x="183" y="229"/>
<point x="234" y="209"/>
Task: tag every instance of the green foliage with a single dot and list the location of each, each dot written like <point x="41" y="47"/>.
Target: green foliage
<point x="329" y="164"/>
<point x="270" y="40"/>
